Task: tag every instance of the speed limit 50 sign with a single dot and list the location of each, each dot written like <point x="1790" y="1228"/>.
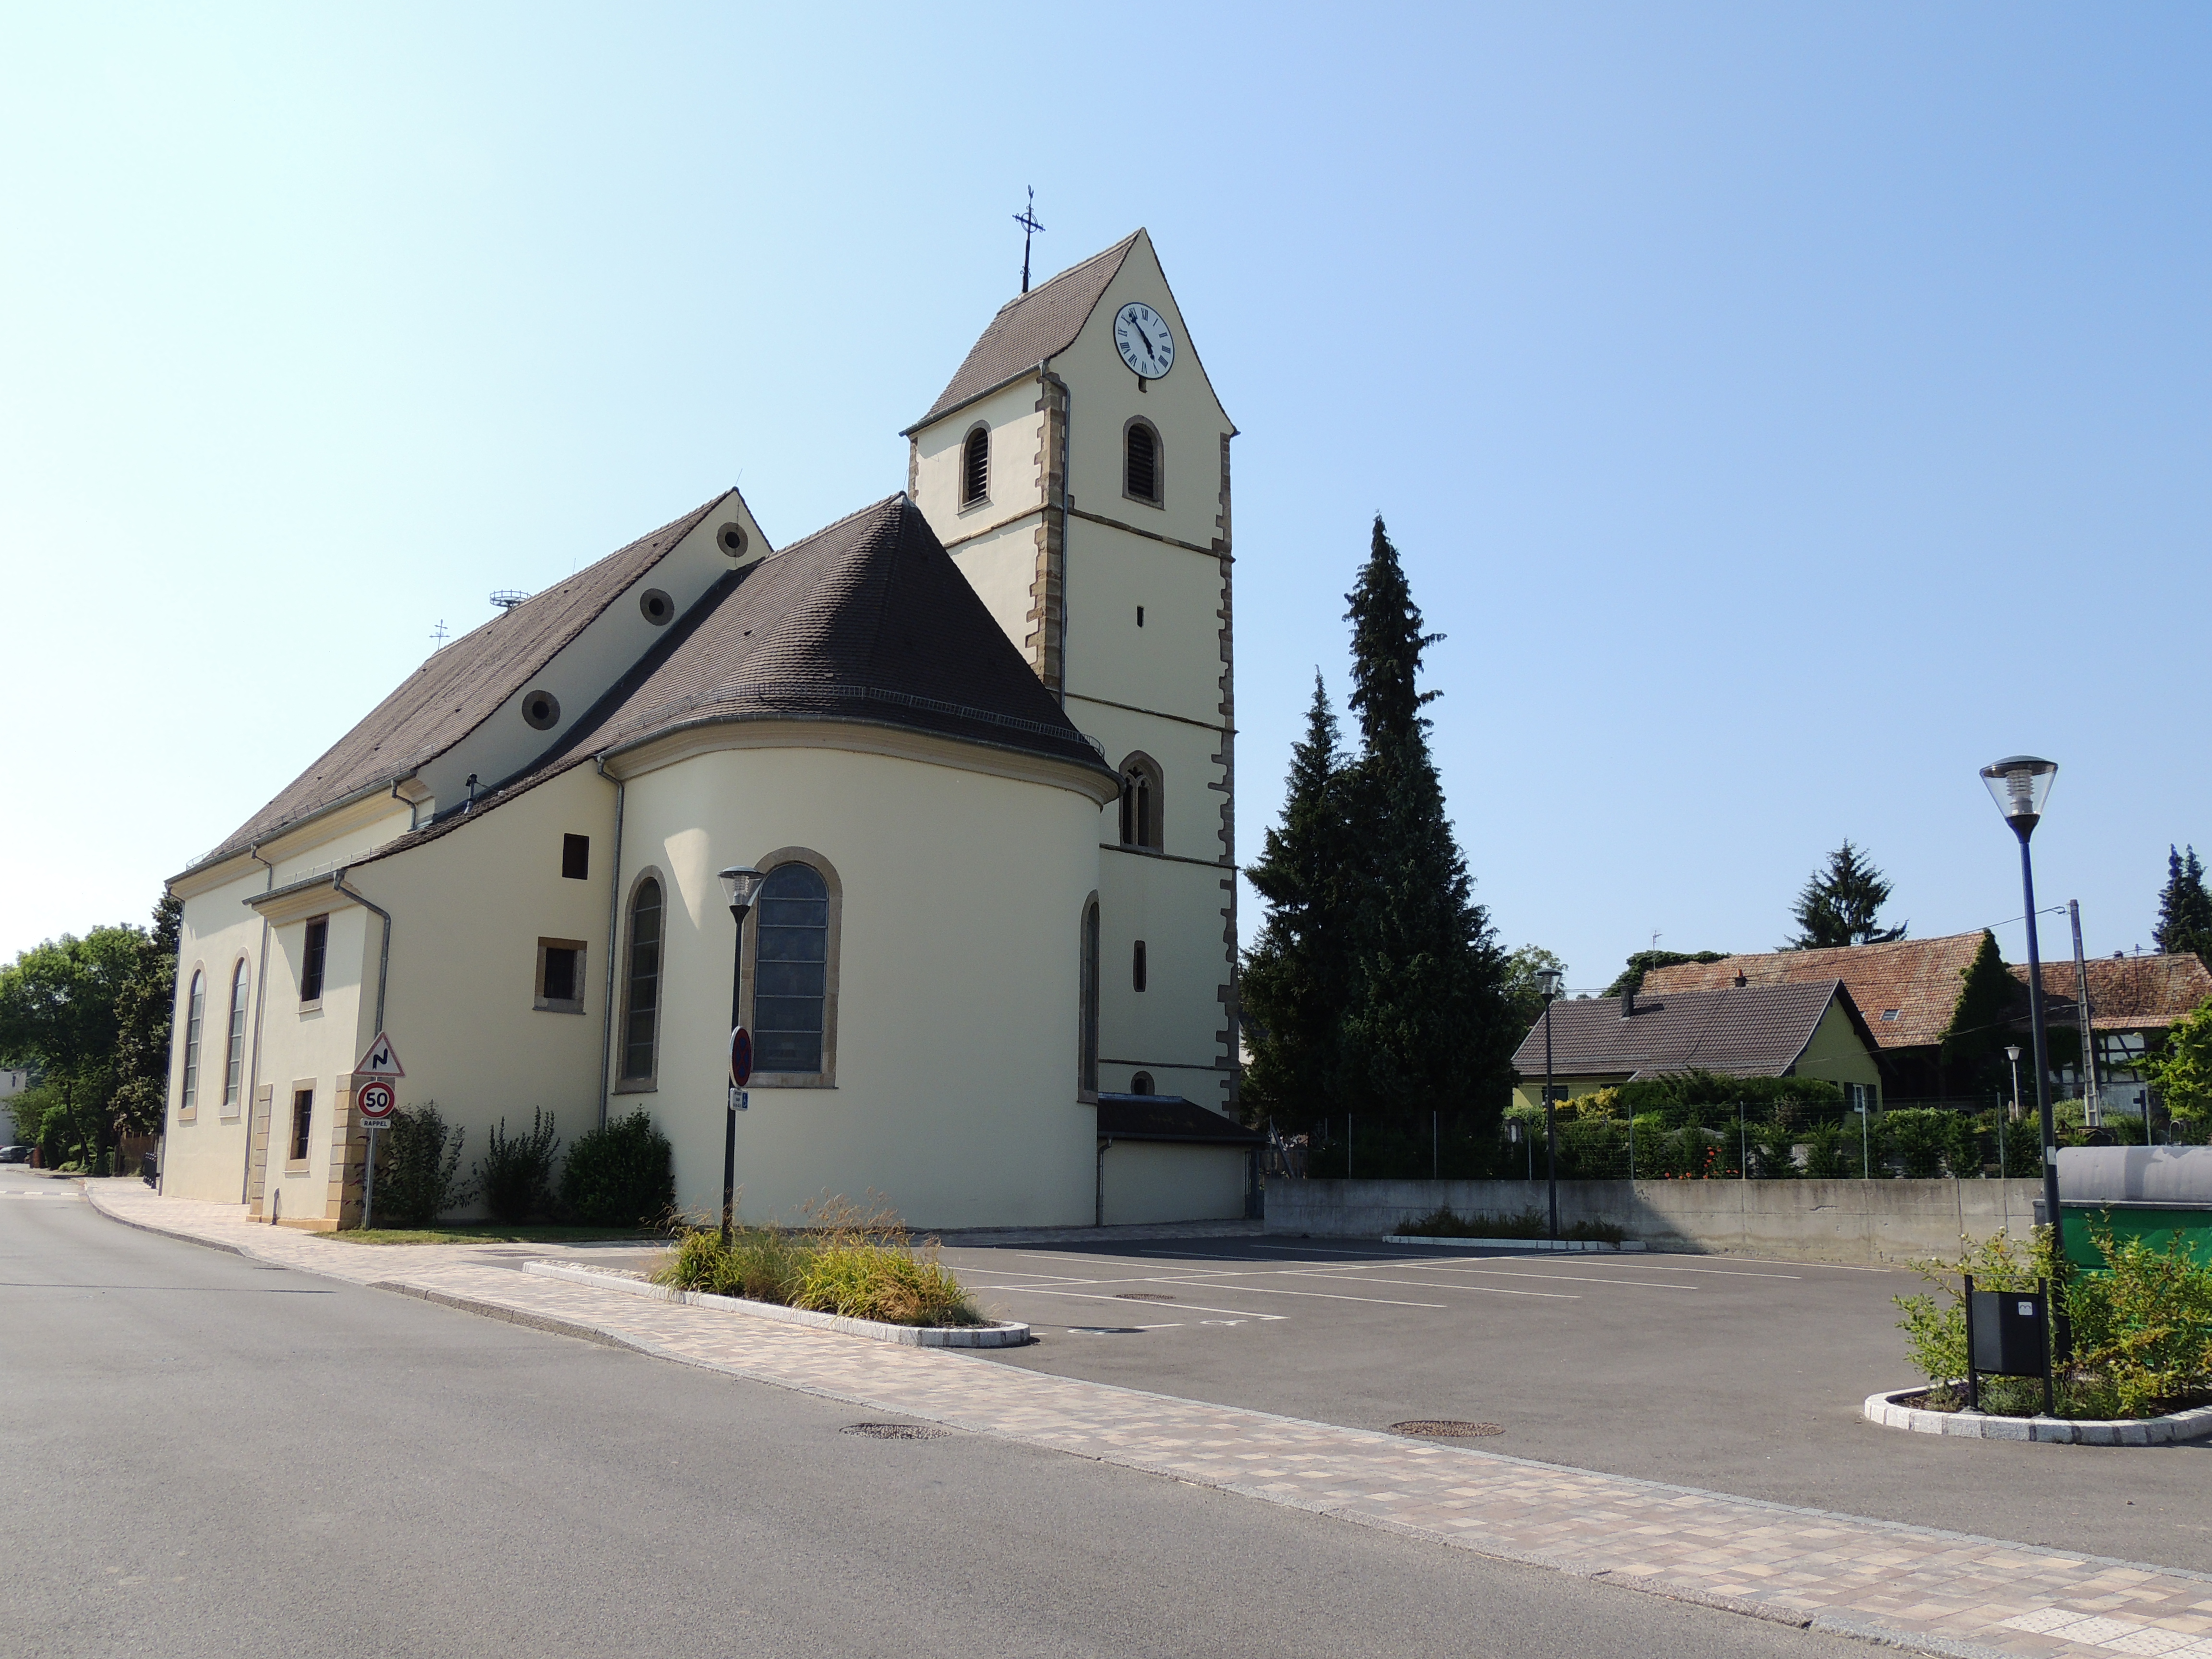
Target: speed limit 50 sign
<point x="375" y="1102"/>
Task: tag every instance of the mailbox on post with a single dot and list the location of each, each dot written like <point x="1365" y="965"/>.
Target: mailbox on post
<point x="2007" y="1335"/>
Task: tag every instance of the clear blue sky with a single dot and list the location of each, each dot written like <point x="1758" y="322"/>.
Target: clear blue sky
<point x="1784" y="411"/>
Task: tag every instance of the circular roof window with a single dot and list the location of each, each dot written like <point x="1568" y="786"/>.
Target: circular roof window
<point x="542" y="709"/>
<point x="657" y="608"/>
<point x="731" y="538"/>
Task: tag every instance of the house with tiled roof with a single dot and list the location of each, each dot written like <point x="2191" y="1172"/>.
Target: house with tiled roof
<point x="2132" y="1000"/>
<point x="976" y="738"/>
<point x="1813" y="1029"/>
<point x="1914" y="994"/>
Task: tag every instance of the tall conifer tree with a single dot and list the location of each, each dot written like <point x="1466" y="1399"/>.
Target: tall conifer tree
<point x="2185" y="908"/>
<point x="1294" y="979"/>
<point x="1426" y="1025"/>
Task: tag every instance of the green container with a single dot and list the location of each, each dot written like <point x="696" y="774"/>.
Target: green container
<point x="2153" y="1223"/>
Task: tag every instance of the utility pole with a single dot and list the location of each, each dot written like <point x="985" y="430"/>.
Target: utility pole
<point x="2093" y="1100"/>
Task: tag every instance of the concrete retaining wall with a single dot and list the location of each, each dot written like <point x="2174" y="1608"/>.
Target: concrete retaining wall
<point x="1870" y="1222"/>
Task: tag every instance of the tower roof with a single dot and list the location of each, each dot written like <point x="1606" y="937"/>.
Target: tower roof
<point x="1032" y="327"/>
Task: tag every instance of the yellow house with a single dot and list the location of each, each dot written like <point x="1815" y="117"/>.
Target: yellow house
<point x="1746" y="1030"/>
<point x="978" y="736"/>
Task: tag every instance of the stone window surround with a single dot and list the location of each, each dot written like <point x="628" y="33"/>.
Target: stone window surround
<point x="539" y="1001"/>
<point x="832" y="952"/>
<point x="301" y="1085"/>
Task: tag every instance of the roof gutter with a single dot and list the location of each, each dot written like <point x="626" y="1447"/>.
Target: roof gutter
<point x="384" y="954"/>
<point x="289" y="824"/>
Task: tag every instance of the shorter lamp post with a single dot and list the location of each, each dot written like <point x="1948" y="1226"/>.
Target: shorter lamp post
<point x="2011" y="1110"/>
<point x="1549" y="978"/>
<point x="2020" y="784"/>
<point x="740" y="887"/>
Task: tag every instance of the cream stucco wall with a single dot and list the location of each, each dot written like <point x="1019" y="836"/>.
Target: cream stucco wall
<point x="955" y="1087"/>
<point x="1149" y="1181"/>
<point x="1837" y="1054"/>
<point x="1017" y="428"/>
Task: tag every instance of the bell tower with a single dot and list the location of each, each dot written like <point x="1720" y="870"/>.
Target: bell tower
<point x="1076" y="469"/>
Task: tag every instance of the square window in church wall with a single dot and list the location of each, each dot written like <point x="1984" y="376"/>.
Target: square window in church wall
<point x="790" y="975"/>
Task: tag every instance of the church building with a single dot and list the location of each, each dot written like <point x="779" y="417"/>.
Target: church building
<point x="979" y="738"/>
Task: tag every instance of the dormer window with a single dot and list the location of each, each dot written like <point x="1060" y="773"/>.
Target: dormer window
<point x="975" y="467"/>
<point x="1141" y="469"/>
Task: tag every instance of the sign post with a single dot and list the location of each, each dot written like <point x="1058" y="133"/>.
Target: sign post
<point x="375" y="1099"/>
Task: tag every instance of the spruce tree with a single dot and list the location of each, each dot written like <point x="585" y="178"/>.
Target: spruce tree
<point x="1294" y="979"/>
<point x="2185" y="908"/>
<point x="1842" y="903"/>
<point x="1426" y="1024"/>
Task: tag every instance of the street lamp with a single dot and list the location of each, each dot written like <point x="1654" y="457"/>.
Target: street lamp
<point x="2020" y="785"/>
<point x="740" y="887"/>
<point x="2011" y="1110"/>
<point x="1549" y="978"/>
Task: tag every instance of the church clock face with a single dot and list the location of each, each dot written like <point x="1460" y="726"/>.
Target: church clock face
<point x="1142" y="335"/>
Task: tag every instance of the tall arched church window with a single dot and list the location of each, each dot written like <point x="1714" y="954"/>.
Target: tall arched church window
<point x="1087" y="1017"/>
<point x="642" y="986"/>
<point x="975" y="467"/>
<point x="233" y="1065"/>
<point x="1140" y="462"/>
<point x="195" y="1015"/>
<point x="791" y="977"/>
<point x="1141" y="802"/>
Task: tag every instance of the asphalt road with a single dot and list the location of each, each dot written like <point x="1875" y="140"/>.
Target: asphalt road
<point x="1735" y="1376"/>
<point x="203" y="1456"/>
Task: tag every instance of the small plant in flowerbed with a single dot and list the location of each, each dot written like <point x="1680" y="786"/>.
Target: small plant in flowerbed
<point x="1529" y="1224"/>
<point x="861" y="1264"/>
<point x="2142" y="1327"/>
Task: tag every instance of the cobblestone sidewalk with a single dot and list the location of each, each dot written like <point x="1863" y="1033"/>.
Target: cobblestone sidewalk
<point x="1936" y="1592"/>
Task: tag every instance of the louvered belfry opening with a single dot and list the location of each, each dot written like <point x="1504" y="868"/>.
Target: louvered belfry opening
<point x="1144" y="462"/>
<point x="975" y="467"/>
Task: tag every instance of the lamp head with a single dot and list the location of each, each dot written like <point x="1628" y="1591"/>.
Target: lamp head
<point x="1548" y="980"/>
<point x="740" y="887"/>
<point x="2020" y="784"/>
<point x="2012" y="1052"/>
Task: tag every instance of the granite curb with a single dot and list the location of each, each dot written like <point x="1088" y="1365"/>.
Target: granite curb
<point x="2171" y="1430"/>
<point x="1516" y="1243"/>
<point x="997" y="1335"/>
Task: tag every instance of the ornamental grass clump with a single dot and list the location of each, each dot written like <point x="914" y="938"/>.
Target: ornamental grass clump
<point x="857" y="1263"/>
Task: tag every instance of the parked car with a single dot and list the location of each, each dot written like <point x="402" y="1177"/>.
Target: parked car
<point x="14" y="1154"/>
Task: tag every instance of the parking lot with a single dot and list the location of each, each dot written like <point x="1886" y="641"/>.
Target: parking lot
<point x="1727" y="1373"/>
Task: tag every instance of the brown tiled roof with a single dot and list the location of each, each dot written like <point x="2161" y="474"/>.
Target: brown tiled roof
<point x="1031" y="327"/>
<point x="868" y="620"/>
<point x="456" y="688"/>
<point x="1755" y="1031"/>
<point x="2130" y="993"/>
<point x="1907" y="990"/>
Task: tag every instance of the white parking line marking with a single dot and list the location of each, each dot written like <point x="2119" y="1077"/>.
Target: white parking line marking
<point x="1575" y="1279"/>
<point x="1080" y="1296"/>
<point x="1422" y="1285"/>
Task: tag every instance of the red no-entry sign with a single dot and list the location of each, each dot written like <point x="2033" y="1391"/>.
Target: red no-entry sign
<point x="741" y="1057"/>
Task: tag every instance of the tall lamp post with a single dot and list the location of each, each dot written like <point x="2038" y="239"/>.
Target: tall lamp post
<point x="2020" y="785"/>
<point x="2011" y="1110"/>
<point x="739" y="886"/>
<point x="1549" y="978"/>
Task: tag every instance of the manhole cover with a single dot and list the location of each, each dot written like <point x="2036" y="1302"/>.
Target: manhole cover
<point x="1446" y="1428"/>
<point x="892" y="1430"/>
<point x="1140" y="1296"/>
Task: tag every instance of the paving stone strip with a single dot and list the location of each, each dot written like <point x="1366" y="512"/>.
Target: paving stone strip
<point x="1912" y="1587"/>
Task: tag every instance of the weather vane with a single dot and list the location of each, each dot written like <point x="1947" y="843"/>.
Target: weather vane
<point x="1027" y="220"/>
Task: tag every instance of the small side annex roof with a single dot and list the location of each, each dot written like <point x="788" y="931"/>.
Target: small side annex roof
<point x="1030" y="328"/>
<point x="1757" y="1031"/>
<point x="456" y="690"/>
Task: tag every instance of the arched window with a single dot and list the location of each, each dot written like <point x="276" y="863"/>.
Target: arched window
<point x="234" y="1066"/>
<point x="1142" y="1084"/>
<point x="195" y="1014"/>
<point x="1140" y="462"/>
<point x="975" y="467"/>
<point x="1141" y="802"/>
<point x="642" y="987"/>
<point x="1087" y="1015"/>
<point x="790" y="979"/>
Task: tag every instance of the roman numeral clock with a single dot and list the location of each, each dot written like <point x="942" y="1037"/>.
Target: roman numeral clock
<point x="1142" y="336"/>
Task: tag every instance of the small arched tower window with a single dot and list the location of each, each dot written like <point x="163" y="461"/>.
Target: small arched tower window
<point x="1141" y="802"/>
<point x="1141" y="471"/>
<point x="975" y="467"/>
<point x="1142" y="1084"/>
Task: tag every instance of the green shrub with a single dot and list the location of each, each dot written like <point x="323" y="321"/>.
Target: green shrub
<point x="418" y="1168"/>
<point x="1832" y="1152"/>
<point x="515" y="1174"/>
<point x="1927" y="1140"/>
<point x="856" y="1265"/>
<point x="2143" y="1328"/>
<point x="1936" y="1333"/>
<point x="620" y="1175"/>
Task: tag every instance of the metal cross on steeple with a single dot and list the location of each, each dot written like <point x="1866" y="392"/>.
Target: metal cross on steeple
<point x="1027" y="220"/>
<point x="438" y="635"/>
